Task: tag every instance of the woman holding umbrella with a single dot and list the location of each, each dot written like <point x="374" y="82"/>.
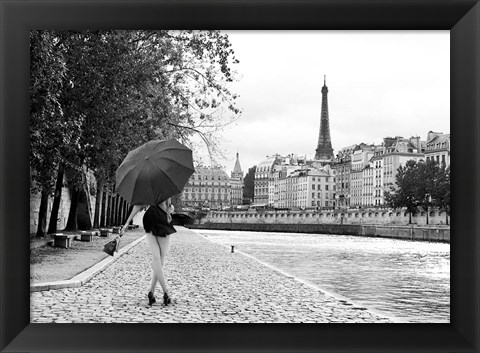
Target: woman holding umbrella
<point x="157" y="223"/>
<point x="150" y="175"/>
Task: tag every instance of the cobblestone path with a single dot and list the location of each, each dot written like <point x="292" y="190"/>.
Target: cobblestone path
<point x="208" y="283"/>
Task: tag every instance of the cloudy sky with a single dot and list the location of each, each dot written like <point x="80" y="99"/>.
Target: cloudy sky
<point x="381" y="83"/>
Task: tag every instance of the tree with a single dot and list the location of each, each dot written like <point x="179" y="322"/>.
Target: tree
<point x="403" y="194"/>
<point x="427" y="174"/>
<point x="57" y="197"/>
<point x="441" y="192"/>
<point x="421" y="185"/>
<point x="98" y="92"/>
<point x="119" y="89"/>
<point x="193" y="70"/>
<point x="248" y="190"/>
<point x="50" y="130"/>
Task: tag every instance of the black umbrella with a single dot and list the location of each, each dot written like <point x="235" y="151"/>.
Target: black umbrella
<point x="154" y="172"/>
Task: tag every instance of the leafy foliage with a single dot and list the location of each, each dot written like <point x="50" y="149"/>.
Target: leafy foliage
<point x="51" y="131"/>
<point x="248" y="190"/>
<point x="441" y="191"/>
<point x="421" y="185"/>
<point x="111" y="91"/>
<point x="95" y="95"/>
<point x="404" y="193"/>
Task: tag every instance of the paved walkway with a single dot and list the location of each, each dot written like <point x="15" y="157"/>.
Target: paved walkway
<point x="208" y="284"/>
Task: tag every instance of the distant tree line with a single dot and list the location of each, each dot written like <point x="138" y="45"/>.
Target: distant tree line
<point x="248" y="185"/>
<point x="421" y="185"/>
<point x="95" y="95"/>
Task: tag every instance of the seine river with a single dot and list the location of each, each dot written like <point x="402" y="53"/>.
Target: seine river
<point x="405" y="280"/>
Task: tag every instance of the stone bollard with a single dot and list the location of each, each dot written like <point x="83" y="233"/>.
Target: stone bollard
<point x="62" y="240"/>
<point x="87" y="235"/>
<point x="105" y="232"/>
<point x="232" y="248"/>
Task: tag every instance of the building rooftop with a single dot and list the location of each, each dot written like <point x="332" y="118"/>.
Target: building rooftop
<point x="211" y="173"/>
<point x="237" y="169"/>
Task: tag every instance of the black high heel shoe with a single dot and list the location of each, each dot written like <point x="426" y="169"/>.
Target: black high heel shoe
<point x="151" y="298"/>
<point x="166" y="299"/>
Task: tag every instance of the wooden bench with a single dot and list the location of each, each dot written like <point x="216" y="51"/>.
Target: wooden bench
<point x="87" y="235"/>
<point x="63" y="240"/>
<point x="133" y="226"/>
<point x="105" y="232"/>
<point x="116" y="230"/>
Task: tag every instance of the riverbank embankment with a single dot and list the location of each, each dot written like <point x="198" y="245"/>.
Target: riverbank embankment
<point x="416" y="233"/>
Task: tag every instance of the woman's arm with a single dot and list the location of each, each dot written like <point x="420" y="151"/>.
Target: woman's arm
<point x="135" y="210"/>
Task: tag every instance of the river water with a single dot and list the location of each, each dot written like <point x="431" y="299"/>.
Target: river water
<point x="408" y="281"/>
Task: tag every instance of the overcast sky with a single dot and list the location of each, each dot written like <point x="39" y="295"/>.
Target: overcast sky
<point x="381" y="83"/>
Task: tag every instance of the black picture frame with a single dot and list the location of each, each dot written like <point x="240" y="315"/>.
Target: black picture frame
<point x="461" y="17"/>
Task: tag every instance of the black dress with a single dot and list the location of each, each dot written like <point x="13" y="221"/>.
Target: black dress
<point x="155" y="221"/>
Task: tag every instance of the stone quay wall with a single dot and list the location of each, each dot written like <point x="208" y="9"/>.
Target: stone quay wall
<point x="378" y="216"/>
<point x="436" y="234"/>
<point x="325" y="223"/>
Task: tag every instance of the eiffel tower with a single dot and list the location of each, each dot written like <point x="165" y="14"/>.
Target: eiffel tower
<point x="324" y="150"/>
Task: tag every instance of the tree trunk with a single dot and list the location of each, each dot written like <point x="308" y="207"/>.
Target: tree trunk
<point x="42" y="214"/>
<point x="410" y="217"/>
<point x="119" y="210"/>
<point x="52" y="226"/>
<point x="84" y="220"/>
<point x="98" y="205"/>
<point x="115" y="210"/>
<point x="72" y="215"/>
<point x="125" y="212"/>
<point x="104" y="207"/>
<point x="130" y="208"/>
<point x="112" y="209"/>
<point x="427" y="215"/>
<point x="85" y="202"/>
<point x="446" y="217"/>
<point x="121" y="213"/>
<point x="109" y="209"/>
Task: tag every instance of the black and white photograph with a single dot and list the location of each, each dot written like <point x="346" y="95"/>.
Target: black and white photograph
<point x="211" y="176"/>
<point x="239" y="176"/>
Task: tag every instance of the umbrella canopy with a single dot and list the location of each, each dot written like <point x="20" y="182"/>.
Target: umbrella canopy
<point x="154" y="172"/>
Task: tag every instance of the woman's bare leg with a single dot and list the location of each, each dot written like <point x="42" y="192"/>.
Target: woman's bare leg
<point x="154" y="282"/>
<point x="157" y="254"/>
<point x="163" y="243"/>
